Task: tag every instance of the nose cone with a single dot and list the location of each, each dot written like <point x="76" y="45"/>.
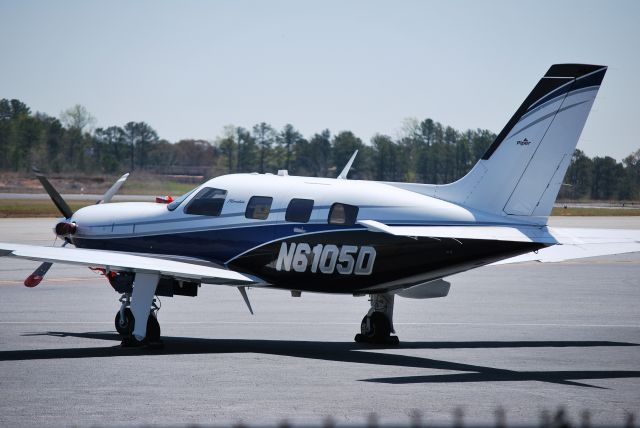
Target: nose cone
<point x="100" y="219"/>
<point x="65" y="228"/>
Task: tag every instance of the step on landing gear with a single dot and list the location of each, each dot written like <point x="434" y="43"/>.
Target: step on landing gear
<point x="377" y="325"/>
<point x="125" y="323"/>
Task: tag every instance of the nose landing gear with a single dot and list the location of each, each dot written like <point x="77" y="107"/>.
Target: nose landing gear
<point x="377" y="325"/>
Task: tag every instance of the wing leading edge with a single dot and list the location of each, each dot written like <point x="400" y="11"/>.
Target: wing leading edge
<point x="112" y="260"/>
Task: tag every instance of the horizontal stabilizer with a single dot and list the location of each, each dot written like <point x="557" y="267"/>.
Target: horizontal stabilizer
<point x="583" y="243"/>
<point x="565" y="243"/>
<point x="112" y="260"/>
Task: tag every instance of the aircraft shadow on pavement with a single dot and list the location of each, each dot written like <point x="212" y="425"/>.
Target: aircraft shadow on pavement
<point x="348" y="352"/>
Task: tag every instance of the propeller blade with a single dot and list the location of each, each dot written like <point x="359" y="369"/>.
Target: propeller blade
<point x="37" y="276"/>
<point x="114" y="189"/>
<point x="53" y="194"/>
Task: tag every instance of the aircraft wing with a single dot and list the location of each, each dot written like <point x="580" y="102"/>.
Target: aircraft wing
<point x="112" y="260"/>
<point x="566" y="243"/>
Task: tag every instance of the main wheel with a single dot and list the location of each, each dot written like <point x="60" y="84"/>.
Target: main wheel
<point x="124" y="327"/>
<point x="153" y="328"/>
<point x="376" y="326"/>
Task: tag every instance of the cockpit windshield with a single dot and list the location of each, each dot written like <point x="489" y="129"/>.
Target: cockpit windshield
<point x="176" y="202"/>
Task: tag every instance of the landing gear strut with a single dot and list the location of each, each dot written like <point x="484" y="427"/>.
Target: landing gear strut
<point x="377" y="325"/>
<point x="125" y="323"/>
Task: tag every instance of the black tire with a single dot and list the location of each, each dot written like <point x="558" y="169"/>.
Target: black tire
<point x="153" y="328"/>
<point x="363" y="326"/>
<point x="125" y="328"/>
<point x="380" y="326"/>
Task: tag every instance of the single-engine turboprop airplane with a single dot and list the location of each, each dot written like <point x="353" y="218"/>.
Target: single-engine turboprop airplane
<point x="339" y="235"/>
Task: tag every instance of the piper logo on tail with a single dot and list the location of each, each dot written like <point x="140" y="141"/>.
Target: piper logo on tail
<point x="524" y="142"/>
<point x="327" y="259"/>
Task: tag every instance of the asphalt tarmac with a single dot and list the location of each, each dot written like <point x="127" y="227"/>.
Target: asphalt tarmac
<point x="524" y="338"/>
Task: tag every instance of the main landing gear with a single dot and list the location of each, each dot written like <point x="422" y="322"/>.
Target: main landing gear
<point x="125" y="324"/>
<point x="377" y="325"/>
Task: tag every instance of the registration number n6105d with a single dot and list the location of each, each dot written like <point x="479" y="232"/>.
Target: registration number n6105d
<point x="327" y="259"/>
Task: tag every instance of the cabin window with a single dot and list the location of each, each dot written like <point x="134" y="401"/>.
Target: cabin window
<point x="258" y="207"/>
<point x="343" y="214"/>
<point x="299" y="210"/>
<point x="208" y="201"/>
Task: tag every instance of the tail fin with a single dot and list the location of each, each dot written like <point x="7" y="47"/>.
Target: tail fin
<point x="522" y="171"/>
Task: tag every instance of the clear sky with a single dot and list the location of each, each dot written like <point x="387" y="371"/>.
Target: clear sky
<point x="190" y="67"/>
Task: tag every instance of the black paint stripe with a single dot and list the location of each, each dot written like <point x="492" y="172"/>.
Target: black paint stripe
<point x="552" y="85"/>
<point x="543" y="87"/>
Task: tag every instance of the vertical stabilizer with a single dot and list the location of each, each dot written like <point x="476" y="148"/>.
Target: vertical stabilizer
<point x="522" y="171"/>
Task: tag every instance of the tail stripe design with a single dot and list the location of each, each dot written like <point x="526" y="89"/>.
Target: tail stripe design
<point x="547" y="116"/>
<point x="558" y="82"/>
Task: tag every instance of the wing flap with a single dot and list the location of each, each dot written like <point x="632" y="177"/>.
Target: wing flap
<point x="113" y="260"/>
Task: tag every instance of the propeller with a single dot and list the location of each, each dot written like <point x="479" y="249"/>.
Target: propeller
<point x="60" y="203"/>
<point x="64" y="228"/>
<point x="113" y="189"/>
<point x="36" y="277"/>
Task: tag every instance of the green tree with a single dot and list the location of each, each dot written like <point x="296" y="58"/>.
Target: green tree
<point x="578" y="179"/>
<point x="630" y="185"/>
<point x="344" y="144"/>
<point x="386" y="158"/>
<point x="264" y="135"/>
<point x="247" y="159"/>
<point x="140" y="137"/>
<point x="77" y="117"/>
<point x="606" y="173"/>
<point x="112" y="144"/>
<point x="288" y="138"/>
<point x="227" y="146"/>
<point x="316" y="158"/>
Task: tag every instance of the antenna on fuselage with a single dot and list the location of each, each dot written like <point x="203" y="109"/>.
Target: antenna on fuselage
<point x="243" y="291"/>
<point x="347" y="167"/>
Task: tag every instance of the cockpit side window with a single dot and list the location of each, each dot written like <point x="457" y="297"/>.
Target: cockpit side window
<point x="343" y="214"/>
<point x="207" y="201"/>
<point x="258" y="207"/>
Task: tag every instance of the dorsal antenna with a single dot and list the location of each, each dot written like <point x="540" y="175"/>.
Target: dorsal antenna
<point x="347" y="167"/>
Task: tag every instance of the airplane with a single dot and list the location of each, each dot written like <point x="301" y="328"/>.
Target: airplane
<point x="341" y="236"/>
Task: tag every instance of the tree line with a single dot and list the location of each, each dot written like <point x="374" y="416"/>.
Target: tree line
<point x="426" y="151"/>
